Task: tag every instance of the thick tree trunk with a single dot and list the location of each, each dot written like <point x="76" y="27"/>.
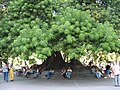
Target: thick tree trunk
<point x="55" y="62"/>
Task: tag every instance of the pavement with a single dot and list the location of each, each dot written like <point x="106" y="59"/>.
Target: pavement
<point x="22" y="83"/>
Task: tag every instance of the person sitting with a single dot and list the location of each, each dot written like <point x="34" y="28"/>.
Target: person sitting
<point x="63" y="72"/>
<point x="93" y="69"/>
<point x="29" y="72"/>
<point x="107" y="71"/>
<point x="37" y="73"/>
<point x="50" y="73"/>
<point x="69" y="73"/>
<point x="98" y="74"/>
<point x="18" y="72"/>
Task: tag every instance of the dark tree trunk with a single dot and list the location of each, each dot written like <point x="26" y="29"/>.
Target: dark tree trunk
<point x="57" y="62"/>
<point x="54" y="61"/>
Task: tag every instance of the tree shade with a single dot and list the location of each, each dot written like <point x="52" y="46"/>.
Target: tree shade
<point x="43" y="27"/>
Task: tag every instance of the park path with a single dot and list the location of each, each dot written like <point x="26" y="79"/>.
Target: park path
<point x="22" y="83"/>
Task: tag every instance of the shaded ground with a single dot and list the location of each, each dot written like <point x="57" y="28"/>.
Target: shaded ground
<point x="22" y="83"/>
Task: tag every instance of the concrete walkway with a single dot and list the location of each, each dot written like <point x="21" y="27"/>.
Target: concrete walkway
<point x="22" y="83"/>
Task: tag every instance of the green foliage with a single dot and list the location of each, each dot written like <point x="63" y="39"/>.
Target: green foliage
<point x="24" y="28"/>
<point x="1" y="1"/>
<point x="71" y="26"/>
<point x="32" y="61"/>
<point x="102" y="10"/>
<point x="77" y="32"/>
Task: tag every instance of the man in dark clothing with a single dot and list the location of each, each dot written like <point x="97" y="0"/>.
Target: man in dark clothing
<point x="107" y="72"/>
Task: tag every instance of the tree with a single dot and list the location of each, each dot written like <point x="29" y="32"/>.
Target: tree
<point x="3" y="11"/>
<point x="76" y="32"/>
<point x="49" y="26"/>
<point x="22" y="24"/>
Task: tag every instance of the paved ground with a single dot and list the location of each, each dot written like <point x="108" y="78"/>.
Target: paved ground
<point x="21" y="83"/>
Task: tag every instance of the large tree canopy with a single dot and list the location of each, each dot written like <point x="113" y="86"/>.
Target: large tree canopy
<point x="43" y="27"/>
<point x="76" y="32"/>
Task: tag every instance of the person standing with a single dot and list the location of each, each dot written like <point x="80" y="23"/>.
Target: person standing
<point x="11" y="74"/>
<point x="5" y="72"/>
<point x="116" y="72"/>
